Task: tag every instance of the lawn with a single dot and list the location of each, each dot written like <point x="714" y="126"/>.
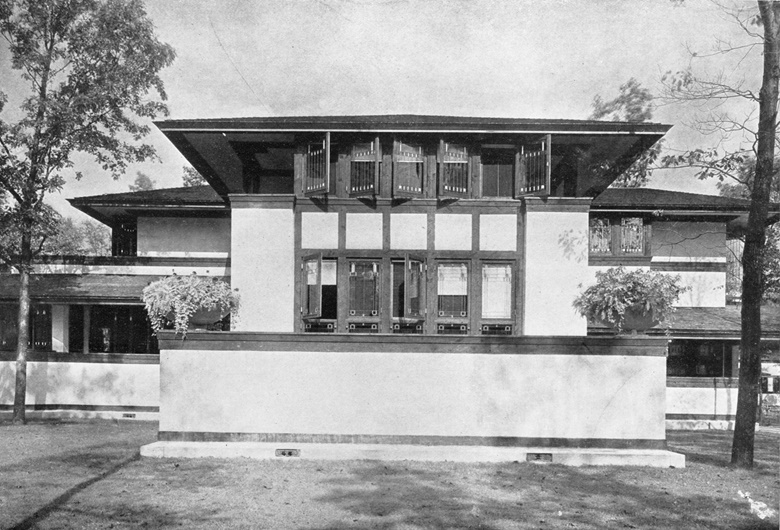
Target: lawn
<point x="88" y="475"/>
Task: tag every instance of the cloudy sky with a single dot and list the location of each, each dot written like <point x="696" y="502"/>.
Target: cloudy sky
<point x="507" y="58"/>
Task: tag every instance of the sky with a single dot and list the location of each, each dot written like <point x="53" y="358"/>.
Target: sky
<point x="496" y="58"/>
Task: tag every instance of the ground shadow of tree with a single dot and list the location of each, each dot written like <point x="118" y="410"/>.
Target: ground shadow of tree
<point x="415" y="495"/>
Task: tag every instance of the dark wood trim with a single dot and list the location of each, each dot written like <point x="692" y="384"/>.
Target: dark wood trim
<point x="608" y="260"/>
<point x="406" y="205"/>
<point x="385" y="343"/>
<point x="243" y="200"/>
<point x="702" y="382"/>
<point x="487" y="441"/>
<point x="556" y="204"/>
<point x="702" y="417"/>
<point x="92" y="408"/>
<point x="80" y="357"/>
<point x="682" y="266"/>
<point x="133" y="261"/>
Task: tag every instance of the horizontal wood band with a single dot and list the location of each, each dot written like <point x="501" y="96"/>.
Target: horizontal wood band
<point x="487" y="441"/>
<point x="702" y="417"/>
<point x="99" y="358"/>
<point x="702" y="382"/>
<point x="90" y="408"/>
<point x="391" y="343"/>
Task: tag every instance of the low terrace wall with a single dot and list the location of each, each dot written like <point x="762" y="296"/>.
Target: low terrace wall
<point x="431" y="390"/>
<point x="65" y="385"/>
<point x="701" y="402"/>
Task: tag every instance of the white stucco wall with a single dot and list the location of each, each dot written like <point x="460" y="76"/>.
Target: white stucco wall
<point x="430" y="394"/>
<point x="702" y="401"/>
<point x="82" y="383"/>
<point x="183" y="236"/>
<point x="263" y="268"/>
<point x="688" y="239"/>
<point x="556" y="263"/>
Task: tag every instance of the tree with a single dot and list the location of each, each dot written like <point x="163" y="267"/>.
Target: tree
<point x="770" y="259"/>
<point x="91" y="68"/>
<point x="142" y="183"/>
<point x="633" y="104"/>
<point x="754" y="138"/>
<point x="82" y="238"/>
<point x="192" y="177"/>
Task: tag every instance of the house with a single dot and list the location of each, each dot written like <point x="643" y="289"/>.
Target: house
<point x="406" y="290"/>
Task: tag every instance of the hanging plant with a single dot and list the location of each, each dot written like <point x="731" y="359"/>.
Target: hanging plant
<point x="183" y="299"/>
<point x="630" y="300"/>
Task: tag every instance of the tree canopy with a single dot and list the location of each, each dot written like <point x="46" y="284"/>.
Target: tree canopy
<point x="91" y="70"/>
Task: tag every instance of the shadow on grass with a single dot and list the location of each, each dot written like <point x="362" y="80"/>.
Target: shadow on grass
<point x="42" y="513"/>
<point x="713" y="448"/>
<point x="392" y="494"/>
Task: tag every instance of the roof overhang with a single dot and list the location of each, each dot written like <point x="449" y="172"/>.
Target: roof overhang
<point x="210" y="145"/>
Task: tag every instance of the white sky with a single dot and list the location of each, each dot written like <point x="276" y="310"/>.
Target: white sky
<point x="505" y="58"/>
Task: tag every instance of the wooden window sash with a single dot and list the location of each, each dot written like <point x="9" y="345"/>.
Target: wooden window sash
<point x="364" y="170"/>
<point x="454" y="174"/>
<point x="374" y="292"/>
<point x="309" y="310"/>
<point x="414" y="266"/>
<point x="532" y="169"/>
<point x="408" y="158"/>
<point x="316" y="174"/>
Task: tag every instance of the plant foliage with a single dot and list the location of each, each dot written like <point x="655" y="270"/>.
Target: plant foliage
<point x="617" y="290"/>
<point x="183" y="296"/>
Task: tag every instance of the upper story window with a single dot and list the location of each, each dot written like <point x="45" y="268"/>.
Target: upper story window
<point x="364" y="169"/>
<point x="124" y="238"/>
<point x="624" y="236"/>
<point x="408" y="169"/>
<point x="316" y="170"/>
<point x="453" y="170"/>
<point x="498" y="172"/>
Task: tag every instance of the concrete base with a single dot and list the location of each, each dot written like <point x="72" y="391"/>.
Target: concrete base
<point x="268" y="451"/>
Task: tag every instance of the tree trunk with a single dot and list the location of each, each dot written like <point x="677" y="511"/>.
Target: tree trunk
<point x="24" y="329"/>
<point x="752" y="260"/>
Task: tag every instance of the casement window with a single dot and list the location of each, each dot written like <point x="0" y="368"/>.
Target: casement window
<point x="453" y="170"/>
<point x="364" y="296"/>
<point x="320" y="294"/>
<point x="452" y="292"/>
<point x="618" y="236"/>
<point x="533" y="172"/>
<point x="39" y="327"/>
<point x="408" y="295"/>
<point x="363" y="288"/>
<point x="697" y="358"/>
<point x="408" y="169"/>
<point x="110" y="329"/>
<point x="124" y="238"/>
<point x="316" y="171"/>
<point x="497" y="299"/>
<point x="516" y="171"/>
<point x="600" y="240"/>
<point x="364" y="169"/>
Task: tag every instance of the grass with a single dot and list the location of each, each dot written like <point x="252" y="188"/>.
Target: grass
<point x="88" y="475"/>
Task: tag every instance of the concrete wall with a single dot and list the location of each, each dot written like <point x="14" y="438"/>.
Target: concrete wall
<point x="263" y="265"/>
<point x="332" y="388"/>
<point x="183" y="236"/>
<point x="701" y="403"/>
<point x="81" y="389"/>
<point x="556" y="263"/>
